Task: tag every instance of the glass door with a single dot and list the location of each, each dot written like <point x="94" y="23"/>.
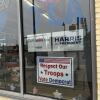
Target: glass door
<point x="57" y="48"/>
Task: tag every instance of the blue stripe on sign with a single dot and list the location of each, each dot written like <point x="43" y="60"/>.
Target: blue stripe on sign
<point x="41" y="60"/>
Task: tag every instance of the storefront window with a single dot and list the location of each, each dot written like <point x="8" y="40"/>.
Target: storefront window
<point x="9" y="47"/>
<point x="57" y="48"/>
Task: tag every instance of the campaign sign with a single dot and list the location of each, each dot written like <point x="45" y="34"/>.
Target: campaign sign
<point x="39" y="42"/>
<point x="55" y="71"/>
<point x="68" y="40"/>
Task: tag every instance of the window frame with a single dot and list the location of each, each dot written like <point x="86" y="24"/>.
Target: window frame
<point x="22" y="62"/>
<point x="93" y="47"/>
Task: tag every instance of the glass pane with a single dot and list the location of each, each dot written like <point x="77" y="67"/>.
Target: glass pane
<point x="57" y="46"/>
<point x="9" y="47"/>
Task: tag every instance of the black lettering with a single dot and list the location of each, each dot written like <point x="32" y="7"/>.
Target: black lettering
<point x="66" y="38"/>
<point x="71" y="38"/>
<point x="57" y="39"/>
<point x="79" y="38"/>
<point x="62" y="39"/>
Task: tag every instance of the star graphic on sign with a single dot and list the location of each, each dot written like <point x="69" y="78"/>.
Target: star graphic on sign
<point x="41" y="72"/>
<point x="66" y="74"/>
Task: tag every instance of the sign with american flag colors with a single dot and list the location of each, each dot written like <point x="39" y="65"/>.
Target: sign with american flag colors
<point x="55" y="71"/>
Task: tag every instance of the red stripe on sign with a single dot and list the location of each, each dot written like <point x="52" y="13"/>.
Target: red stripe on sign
<point x="57" y="60"/>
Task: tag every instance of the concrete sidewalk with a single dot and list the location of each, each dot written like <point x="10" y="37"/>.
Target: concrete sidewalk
<point x="6" y="98"/>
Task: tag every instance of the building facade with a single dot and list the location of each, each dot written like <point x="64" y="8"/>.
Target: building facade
<point x="97" y="23"/>
<point x="49" y="49"/>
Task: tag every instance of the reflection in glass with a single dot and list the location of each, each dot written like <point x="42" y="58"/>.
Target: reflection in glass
<point x="9" y="47"/>
<point x="58" y="29"/>
<point x="9" y="63"/>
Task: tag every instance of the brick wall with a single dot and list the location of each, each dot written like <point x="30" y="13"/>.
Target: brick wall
<point x="97" y="21"/>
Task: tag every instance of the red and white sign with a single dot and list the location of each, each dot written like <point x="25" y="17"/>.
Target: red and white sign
<point x="39" y="42"/>
<point x="55" y="71"/>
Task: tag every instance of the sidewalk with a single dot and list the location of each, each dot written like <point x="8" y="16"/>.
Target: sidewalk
<point x="6" y="98"/>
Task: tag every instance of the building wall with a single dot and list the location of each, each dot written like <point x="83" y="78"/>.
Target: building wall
<point x="97" y="22"/>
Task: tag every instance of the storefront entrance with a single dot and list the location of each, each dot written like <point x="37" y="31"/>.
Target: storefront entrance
<point x="57" y="49"/>
<point x="45" y="49"/>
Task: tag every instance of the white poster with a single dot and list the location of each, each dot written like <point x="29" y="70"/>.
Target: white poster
<point x="55" y="71"/>
<point x="39" y="42"/>
<point x="68" y="40"/>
